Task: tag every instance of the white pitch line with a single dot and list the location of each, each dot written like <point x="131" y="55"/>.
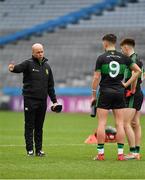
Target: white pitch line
<point x="82" y="144"/>
<point x="17" y="145"/>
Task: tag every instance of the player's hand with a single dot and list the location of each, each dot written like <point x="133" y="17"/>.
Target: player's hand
<point x="133" y="90"/>
<point x="93" y="101"/>
<point x="93" y="107"/>
<point x="11" y="67"/>
<point x="128" y="93"/>
<point x="124" y="84"/>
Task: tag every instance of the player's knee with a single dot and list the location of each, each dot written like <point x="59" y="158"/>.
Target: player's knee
<point x="119" y="124"/>
<point x="133" y="124"/>
<point x="127" y="126"/>
<point x="127" y="122"/>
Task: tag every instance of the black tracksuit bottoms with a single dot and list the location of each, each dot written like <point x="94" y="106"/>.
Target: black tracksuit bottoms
<point x="34" y="111"/>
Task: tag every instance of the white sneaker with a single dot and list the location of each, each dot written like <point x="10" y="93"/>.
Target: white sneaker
<point x="40" y="153"/>
<point x="30" y="153"/>
<point x="130" y="156"/>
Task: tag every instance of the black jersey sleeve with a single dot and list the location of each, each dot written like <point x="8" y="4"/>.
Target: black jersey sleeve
<point x="98" y="64"/>
<point x="22" y="67"/>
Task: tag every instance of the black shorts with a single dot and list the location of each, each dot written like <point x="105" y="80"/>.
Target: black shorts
<point x="111" y="100"/>
<point x="135" y="101"/>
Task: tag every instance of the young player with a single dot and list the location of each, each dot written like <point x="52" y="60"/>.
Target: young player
<point x="110" y="67"/>
<point x="134" y="100"/>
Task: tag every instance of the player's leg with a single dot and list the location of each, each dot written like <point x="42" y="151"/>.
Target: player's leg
<point x="120" y="136"/>
<point x="102" y="120"/>
<point x="138" y="100"/>
<point x="137" y="128"/>
<point x="103" y="106"/>
<point x="118" y="106"/>
<point x="129" y="114"/>
<point x="137" y="131"/>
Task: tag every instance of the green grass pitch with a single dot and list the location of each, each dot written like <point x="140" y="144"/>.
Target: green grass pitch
<point x="67" y="155"/>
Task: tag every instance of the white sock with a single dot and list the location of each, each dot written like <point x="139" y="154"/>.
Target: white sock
<point x="120" y="150"/>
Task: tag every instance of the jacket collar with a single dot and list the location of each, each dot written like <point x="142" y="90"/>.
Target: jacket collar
<point x="36" y="60"/>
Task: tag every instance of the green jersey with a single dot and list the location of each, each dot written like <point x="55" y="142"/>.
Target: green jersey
<point x="135" y="59"/>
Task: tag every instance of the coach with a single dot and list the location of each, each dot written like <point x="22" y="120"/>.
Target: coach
<point x="38" y="82"/>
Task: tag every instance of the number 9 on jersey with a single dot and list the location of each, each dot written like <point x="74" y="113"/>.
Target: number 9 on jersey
<point x="114" y="69"/>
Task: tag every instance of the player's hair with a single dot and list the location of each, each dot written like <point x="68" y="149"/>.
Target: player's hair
<point x="128" y="41"/>
<point x="110" y="38"/>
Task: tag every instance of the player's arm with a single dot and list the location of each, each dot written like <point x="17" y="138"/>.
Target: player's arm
<point x="19" y="68"/>
<point x="133" y="85"/>
<point x="96" y="78"/>
<point x="137" y="71"/>
<point x="95" y="83"/>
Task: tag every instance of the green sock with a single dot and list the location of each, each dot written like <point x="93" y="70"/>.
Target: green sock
<point x="137" y="148"/>
<point x="120" y="148"/>
<point x="132" y="149"/>
<point x="100" y="148"/>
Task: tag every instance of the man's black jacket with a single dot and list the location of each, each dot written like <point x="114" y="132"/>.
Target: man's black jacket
<point x="38" y="79"/>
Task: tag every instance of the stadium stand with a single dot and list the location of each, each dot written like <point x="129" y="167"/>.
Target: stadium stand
<point x="72" y="52"/>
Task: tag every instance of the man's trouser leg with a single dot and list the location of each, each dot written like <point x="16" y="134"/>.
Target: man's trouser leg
<point x="39" y="120"/>
<point x="29" y="113"/>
